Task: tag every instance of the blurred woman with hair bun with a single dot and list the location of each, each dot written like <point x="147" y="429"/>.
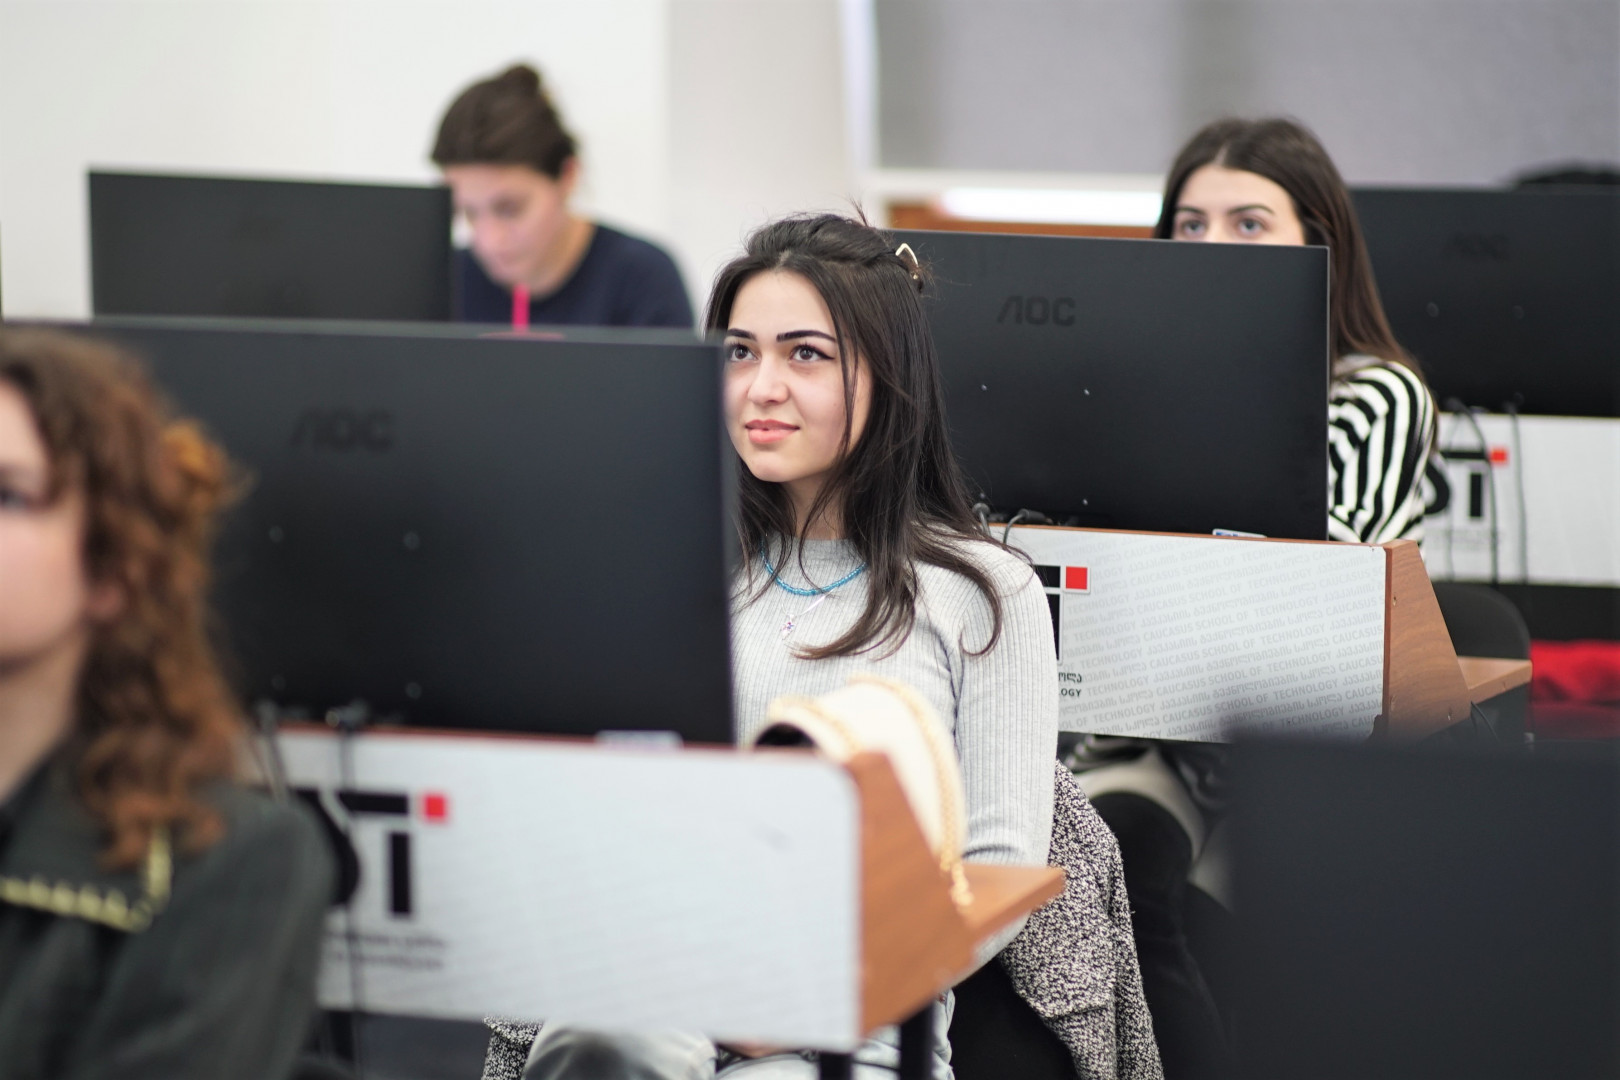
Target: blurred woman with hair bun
<point x="157" y="918"/>
<point x="512" y="168"/>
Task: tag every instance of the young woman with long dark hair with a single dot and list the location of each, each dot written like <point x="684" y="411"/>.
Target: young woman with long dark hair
<point x="1258" y="182"/>
<point x="859" y="553"/>
<point x="1271" y="182"/>
<point x="157" y="920"/>
<point x="512" y="167"/>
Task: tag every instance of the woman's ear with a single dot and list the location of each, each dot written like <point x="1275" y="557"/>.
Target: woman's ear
<point x="568" y="177"/>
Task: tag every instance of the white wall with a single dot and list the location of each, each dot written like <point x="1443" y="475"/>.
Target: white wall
<point x="348" y="89"/>
<point x="757" y="123"/>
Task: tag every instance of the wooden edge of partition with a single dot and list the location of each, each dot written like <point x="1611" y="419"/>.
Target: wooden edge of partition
<point x="925" y="216"/>
<point x="912" y="939"/>
<point x="1487" y="676"/>
<point x="1186" y="536"/>
<point x="1424" y="689"/>
<point x="1002" y="894"/>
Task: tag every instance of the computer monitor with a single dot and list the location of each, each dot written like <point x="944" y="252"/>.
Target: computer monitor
<point x="1136" y="384"/>
<point x="505" y="533"/>
<point x="1414" y="913"/>
<point x="199" y="245"/>
<point x="1504" y="297"/>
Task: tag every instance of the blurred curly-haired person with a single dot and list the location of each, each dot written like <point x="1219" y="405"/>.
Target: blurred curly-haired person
<point x="157" y="918"/>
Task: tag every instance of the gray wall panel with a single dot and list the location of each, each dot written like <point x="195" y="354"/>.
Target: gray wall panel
<point x="1402" y="91"/>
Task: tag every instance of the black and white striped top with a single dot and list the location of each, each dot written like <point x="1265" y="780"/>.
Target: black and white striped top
<point x="1381" y="421"/>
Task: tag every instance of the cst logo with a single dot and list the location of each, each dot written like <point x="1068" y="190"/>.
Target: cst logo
<point x="1059" y="581"/>
<point x="393" y="809"/>
<point x="1069" y="579"/>
<point x="1038" y="310"/>
<point x="345" y="430"/>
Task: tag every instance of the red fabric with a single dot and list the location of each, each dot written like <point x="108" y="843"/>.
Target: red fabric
<point x="1579" y="672"/>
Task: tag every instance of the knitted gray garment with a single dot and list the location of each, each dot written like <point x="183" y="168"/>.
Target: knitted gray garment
<point x="1075" y="960"/>
<point x="509" y="1044"/>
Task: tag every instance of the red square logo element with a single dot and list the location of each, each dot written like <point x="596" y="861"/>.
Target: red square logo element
<point x="1076" y="579"/>
<point x="435" y="806"/>
<point x="1499" y="455"/>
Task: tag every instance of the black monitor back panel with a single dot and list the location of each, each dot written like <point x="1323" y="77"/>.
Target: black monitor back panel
<point x="465" y="532"/>
<point x="1136" y="384"/>
<point x="1504" y="297"/>
<point x="1415" y="915"/>
<point x="195" y="245"/>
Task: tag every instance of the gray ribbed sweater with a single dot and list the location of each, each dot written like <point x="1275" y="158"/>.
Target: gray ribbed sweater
<point x="1001" y="706"/>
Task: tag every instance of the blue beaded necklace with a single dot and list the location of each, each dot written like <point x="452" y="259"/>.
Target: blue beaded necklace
<point x="794" y="589"/>
<point x="791" y="620"/>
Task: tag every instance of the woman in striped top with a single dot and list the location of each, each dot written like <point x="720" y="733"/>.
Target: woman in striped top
<point x="1258" y="182"/>
<point x="1271" y="182"/>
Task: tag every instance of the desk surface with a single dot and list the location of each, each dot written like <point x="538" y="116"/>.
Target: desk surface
<point x="1487" y="676"/>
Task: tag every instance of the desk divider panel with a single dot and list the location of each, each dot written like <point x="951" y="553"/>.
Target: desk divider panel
<point x="770" y="897"/>
<point x="913" y="939"/>
<point x="620" y="889"/>
<point x="1171" y="636"/>
<point x="1425" y="690"/>
<point x="1203" y="638"/>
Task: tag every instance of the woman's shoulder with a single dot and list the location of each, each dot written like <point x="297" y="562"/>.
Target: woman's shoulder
<point x="271" y="854"/>
<point x="1007" y="570"/>
<point x="641" y="276"/>
<point x="628" y="250"/>
<point x="278" y="847"/>
<point x="255" y="822"/>
<point x="1357" y="376"/>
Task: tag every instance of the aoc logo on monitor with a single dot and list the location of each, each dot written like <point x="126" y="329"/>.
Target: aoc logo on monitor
<point x="1477" y="247"/>
<point x="1038" y="310"/>
<point x="345" y="430"/>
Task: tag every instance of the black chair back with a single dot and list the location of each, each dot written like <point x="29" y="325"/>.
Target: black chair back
<point x="1483" y="622"/>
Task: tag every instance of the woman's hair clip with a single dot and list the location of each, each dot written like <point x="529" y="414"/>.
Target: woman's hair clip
<point x="909" y="259"/>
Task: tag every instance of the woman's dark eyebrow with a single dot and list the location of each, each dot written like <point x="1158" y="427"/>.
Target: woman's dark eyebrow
<point x="791" y="334"/>
<point x="741" y="333"/>
<point x="1251" y="206"/>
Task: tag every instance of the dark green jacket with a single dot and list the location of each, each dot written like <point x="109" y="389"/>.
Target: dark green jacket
<point x="186" y="967"/>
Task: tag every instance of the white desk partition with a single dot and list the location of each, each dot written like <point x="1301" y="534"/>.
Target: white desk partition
<point x="1200" y="637"/>
<point x="626" y="889"/>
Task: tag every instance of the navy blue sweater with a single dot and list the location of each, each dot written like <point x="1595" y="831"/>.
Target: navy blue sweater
<point x="621" y="281"/>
